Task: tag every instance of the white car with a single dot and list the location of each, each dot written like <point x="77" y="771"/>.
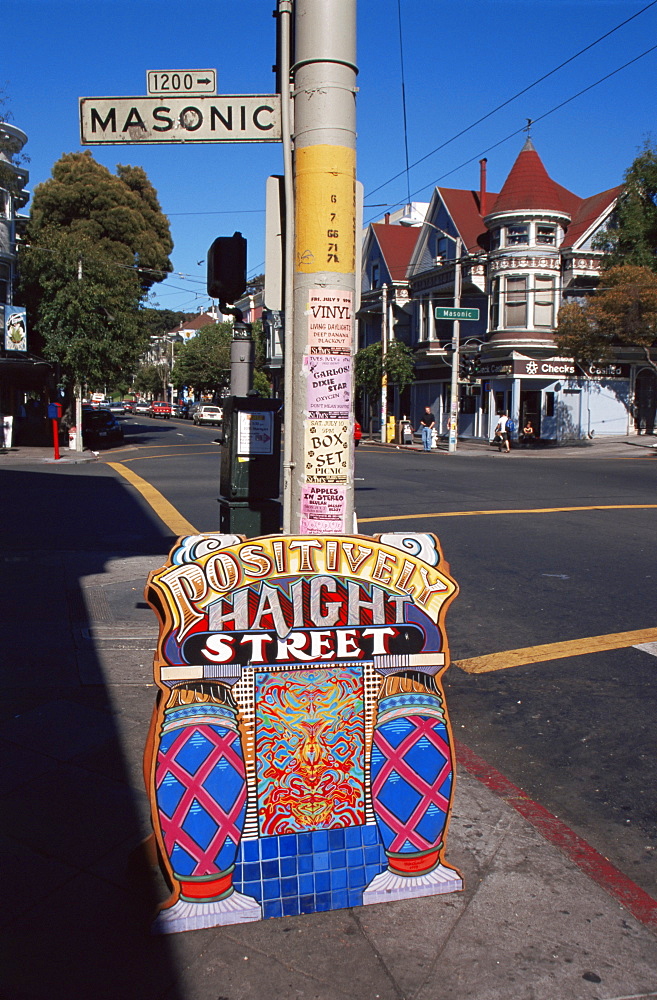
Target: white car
<point x="207" y="414"/>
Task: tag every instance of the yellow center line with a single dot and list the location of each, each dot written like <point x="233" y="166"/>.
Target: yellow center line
<point x="554" y="651"/>
<point x="144" y="458"/>
<point x="164" y="510"/>
<point x="528" y="510"/>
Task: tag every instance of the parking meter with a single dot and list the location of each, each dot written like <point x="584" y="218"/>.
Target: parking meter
<point x="251" y="451"/>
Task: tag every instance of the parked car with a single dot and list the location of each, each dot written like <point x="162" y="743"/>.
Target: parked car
<point x="358" y="433"/>
<point x="160" y="408"/>
<point x="100" y="427"/>
<point x="141" y="406"/>
<point x="207" y="414"/>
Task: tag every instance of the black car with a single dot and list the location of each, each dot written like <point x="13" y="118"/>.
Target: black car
<point x="100" y="427"/>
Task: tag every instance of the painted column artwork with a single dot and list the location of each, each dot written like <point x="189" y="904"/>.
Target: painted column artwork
<point x="300" y="756"/>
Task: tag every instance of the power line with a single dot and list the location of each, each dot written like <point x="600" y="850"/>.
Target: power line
<point x="511" y="99"/>
<point x="546" y="114"/>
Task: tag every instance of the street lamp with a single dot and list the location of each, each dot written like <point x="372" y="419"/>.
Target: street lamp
<point x="407" y="220"/>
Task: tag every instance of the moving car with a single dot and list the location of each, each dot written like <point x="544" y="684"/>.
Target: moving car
<point x="100" y="427"/>
<point x="117" y="408"/>
<point x="160" y="408"/>
<point x="208" y="414"/>
<point x="141" y="406"/>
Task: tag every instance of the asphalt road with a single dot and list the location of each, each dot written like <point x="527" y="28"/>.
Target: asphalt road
<point x="576" y="733"/>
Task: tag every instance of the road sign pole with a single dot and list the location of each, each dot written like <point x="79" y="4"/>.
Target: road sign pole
<point x="456" y="355"/>
<point x="321" y="418"/>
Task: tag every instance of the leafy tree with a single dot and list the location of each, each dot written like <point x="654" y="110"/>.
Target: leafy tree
<point x="85" y="309"/>
<point x="622" y="314"/>
<point x="399" y="367"/>
<point x="151" y="380"/>
<point x="120" y="214"/>
<point x="631" y="237"/>
<point x="203" y="363"/>
<point x="157" y="322"/>
<point x="95" y="244"/>
<point x="369" y="367"/>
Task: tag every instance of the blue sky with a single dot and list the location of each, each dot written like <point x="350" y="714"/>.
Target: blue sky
<point x="462" y="58"/>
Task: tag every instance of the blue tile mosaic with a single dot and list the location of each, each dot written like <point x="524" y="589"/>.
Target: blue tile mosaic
<point x="309" y="872"/>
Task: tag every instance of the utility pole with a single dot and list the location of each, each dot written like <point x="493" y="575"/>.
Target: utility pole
<point x="456" y="353"/>
<point x="320" y="413"/>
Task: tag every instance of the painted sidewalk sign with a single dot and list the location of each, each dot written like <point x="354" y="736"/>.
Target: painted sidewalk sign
<point x="300" y="756"/>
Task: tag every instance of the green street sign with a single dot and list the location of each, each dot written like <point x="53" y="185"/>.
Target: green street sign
<point x="443" y="312"/>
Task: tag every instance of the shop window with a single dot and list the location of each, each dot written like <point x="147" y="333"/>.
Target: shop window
<point x="516" y="302"/>
<point x="517" y="236"/>
<point x="543" y="301"/>
<point x="546" y="235"/>
<point x="549" y="404"/>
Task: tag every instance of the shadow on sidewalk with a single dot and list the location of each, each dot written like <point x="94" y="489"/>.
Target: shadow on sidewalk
<point x="78" y="894"/>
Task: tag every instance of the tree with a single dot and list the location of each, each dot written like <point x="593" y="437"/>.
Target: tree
<point x="623" y="314"/>
<point x="151" y="380"/>
<point x="120" y="214"/>
<point x="203" y="363"/>
<point x="631" y="237"/>
<point x="399" y="367"/>
<point x="95" y="244"/>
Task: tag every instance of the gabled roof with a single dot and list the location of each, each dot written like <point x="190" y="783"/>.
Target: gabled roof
<point x="529" y="187"/>
<point x="589" y="211"/>
<point x="464" y="208"/>
<point x="396" y="244"/>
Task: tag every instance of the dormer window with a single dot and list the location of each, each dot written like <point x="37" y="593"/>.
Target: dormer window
<point x="376" y="275"/>
<point x="546" y="235"/>
<point x="517" y="236"/>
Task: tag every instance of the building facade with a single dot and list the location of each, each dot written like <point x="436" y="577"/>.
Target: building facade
<point x="512" y="258"/>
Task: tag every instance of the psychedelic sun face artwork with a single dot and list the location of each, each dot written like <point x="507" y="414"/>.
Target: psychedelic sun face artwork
<point x="300" y="757"/>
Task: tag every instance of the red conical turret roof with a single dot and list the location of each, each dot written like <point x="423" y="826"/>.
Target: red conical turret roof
<point x="530" y="188"/>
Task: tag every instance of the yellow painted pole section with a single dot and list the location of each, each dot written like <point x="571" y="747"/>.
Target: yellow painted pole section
<point x="555" y="651"/>
<point x="326" y="209"/>
<point x="164" y="510"/>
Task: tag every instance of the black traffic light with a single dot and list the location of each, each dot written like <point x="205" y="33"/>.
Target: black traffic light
<point x="227" y="268"/>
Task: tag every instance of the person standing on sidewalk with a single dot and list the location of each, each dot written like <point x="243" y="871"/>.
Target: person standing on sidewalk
<point x="427" y="424"/>
<point x="502" y="433"/>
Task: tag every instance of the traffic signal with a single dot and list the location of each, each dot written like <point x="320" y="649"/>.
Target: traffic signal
<point x="227" y="268"/>
<point x="465" y="367"/>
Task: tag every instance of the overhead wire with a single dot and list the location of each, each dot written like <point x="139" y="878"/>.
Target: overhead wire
<point x="516" y="132"/>
<point x="510" y="100"/>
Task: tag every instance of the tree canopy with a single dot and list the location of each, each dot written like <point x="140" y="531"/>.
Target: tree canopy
<point x="119" y="213"/>
<point x="623" y="313"/>
<point x="95" y="244"/>
<point x="203" y="363"/>
<point x="631" y="237"/>
<point x="369" y="367"/>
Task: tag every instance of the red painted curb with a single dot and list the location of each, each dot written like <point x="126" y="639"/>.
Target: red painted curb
<point x="598" y="868"/>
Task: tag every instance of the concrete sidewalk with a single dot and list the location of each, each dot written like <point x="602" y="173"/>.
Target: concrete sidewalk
<point x="78" y="890"/>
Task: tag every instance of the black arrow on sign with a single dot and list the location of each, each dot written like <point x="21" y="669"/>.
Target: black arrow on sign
<point x="204" y="81"/>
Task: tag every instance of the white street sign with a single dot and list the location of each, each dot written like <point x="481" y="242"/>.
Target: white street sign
<point x="171" y="82"/>
<point x="226" y="118"/>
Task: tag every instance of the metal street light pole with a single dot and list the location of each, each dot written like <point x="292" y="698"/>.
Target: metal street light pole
<point x="408" y="220"/>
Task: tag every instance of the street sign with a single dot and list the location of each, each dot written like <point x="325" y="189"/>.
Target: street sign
<point x="452" y="313"/>
<point x="171" y="82"/>
<point x="227" y="118"/>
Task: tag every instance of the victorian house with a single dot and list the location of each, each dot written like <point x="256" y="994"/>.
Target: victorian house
<point x="510" y="259"/>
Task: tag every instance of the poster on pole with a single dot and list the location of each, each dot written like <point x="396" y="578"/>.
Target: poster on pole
<point x="329" y="381"/>
<point x="330" y="321"/>
<point x="323" y="509"/>
<point x="326" y="451"/>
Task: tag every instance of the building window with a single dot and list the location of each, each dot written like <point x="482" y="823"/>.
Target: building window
<point x="516" y="302"/>
<point x="543" y="301"/>
<point x="495" y="304"/>
<point x="517" y="236"/>
<point x="549" y="404"/>
<point x="376" y="275"/>
<point x="5" y="276"/>
<point x="495" y="239"/>
<point x="546" y="235"/>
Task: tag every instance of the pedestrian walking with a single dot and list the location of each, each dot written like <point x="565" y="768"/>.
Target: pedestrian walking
<point x="427" y="424"/>
<point x="502" y="433"/>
